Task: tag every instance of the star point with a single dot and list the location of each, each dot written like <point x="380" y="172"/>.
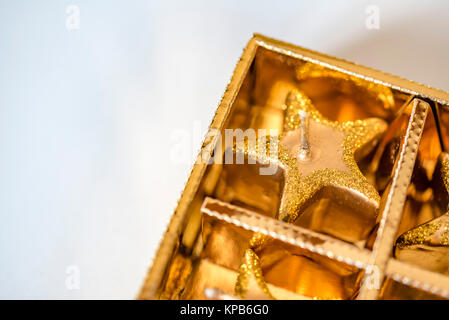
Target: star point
<point x="333" y="147"/>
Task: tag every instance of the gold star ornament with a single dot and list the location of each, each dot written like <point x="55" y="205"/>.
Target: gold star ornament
<point x="318" y="159"/>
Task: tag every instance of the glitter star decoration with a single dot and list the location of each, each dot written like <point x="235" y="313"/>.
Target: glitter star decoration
<point x="427" y="245"/>
<point x="314" y="153"/>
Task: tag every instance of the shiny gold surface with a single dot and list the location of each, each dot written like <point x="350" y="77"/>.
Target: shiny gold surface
<point x="428" y="244"/>
<point x="370" y="89"/>
<point x="337" y="237"/>
<point x="392" y="290"/>
<point x="234" y="226"/>
<point x="208" y="275"/>
<point x="440" y="181"/>
<point x="331" y="165"/>
<point x="394" y="197"/>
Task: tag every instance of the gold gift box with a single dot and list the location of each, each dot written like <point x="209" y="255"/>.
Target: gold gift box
<point x="221" y="207"/>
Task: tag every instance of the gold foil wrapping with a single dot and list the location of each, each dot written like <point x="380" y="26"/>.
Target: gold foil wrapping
<point x="238" y="234"/>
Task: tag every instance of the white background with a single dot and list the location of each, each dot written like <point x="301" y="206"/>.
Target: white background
<point x="87" y="117"/>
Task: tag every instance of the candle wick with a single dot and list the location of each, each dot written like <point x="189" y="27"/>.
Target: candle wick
<point x="304" y="146"/>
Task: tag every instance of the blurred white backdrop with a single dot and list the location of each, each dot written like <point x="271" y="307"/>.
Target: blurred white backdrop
<point x="87" y="117"/>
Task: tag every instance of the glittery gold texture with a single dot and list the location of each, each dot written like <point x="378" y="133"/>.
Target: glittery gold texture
<point x="299" y="188"/>
<point x="249" y="267"/>
<point x="421" y="234"/>
<point x="433" y="231"/>
<point x="445" y="173"/>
